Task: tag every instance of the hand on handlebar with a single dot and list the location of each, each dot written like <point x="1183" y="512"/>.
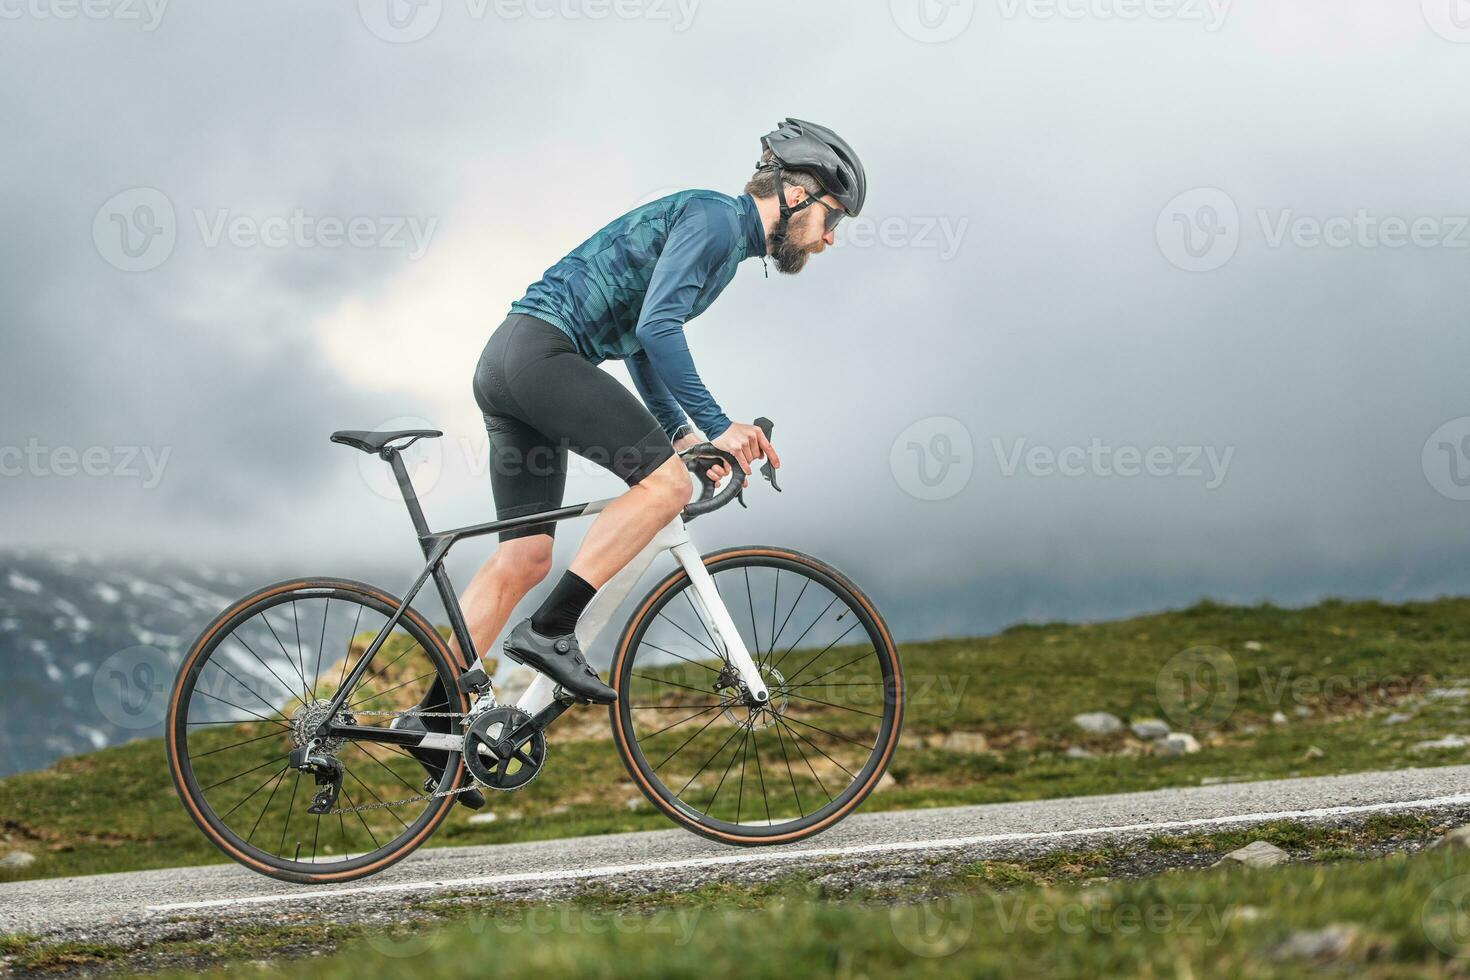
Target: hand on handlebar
<point x="746" y="443"/>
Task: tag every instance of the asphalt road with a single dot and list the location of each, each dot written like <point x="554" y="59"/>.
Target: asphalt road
<point x="117" y="905"/>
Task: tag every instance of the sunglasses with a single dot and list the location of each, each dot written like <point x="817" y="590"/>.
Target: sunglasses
<point x="833" y="216"/>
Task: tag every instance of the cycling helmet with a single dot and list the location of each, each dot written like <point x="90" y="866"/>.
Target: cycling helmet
<point x="800" y="145"/>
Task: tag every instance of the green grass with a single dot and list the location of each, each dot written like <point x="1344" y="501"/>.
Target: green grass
<point x="1348" y="664"/>
<point x="1402" y="916"/>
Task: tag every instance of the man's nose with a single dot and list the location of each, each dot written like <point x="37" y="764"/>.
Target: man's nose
<point x="830" y="238"/>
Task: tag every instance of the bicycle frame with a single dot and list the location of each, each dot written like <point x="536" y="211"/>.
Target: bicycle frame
<point x="539" y="699"/>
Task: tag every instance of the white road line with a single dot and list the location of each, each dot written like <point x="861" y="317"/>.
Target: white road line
<point x="758" y="857"/>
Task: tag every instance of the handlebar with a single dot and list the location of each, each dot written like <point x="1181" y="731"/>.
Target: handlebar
<point x="698" y="460"/>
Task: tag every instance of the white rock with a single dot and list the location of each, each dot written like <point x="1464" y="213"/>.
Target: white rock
<point x="1447" y="693"/>
<point x="1257" y="854"/>
<point x="1316" y="944"/>
<point x="1078" y="752"/>
<point x="1448" y="742"/>
<point x="886" y="783"/>
<point x="1149" y="729"/>
<point x="1254" y="646"/>
<point x="1457" y="838"/>
<point x="1279" y="718"/>
<point x="636" y="802"/>
<point x="490" y="817"/>
<point x="1302" y="711"/>
<point x="1177" y="743"/>
<point x="968" y="743"/>
<point x="1313" y="753"/>
<point x="1397" y="718"/>
<point x="16" y="860"/>
<point x="1098" y="722"/>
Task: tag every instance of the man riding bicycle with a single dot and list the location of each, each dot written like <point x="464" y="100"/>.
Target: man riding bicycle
<point x="626" y="293"/>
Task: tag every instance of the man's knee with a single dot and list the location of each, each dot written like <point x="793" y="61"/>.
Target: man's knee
<point x="526" y="561"/>
<point x="668" y="486"/>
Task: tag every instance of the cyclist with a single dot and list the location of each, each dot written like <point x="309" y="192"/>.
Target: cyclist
<point x="626" y="293"/>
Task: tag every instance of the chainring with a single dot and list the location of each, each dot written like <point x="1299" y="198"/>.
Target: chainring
<point x="522" y="763"/>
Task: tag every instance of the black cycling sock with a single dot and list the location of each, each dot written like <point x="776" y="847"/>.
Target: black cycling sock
<point x="558" y="615"/>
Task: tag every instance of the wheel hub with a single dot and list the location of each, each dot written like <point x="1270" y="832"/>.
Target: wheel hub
<point x="740" y="708"/>
<point x="309" y="718"/>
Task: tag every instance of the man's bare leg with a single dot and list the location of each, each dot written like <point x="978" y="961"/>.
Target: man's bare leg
<point x="517" y="566"/>
<point x="630" y="522"/>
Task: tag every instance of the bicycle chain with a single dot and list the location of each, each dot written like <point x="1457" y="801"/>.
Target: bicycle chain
<point x="412" y="799"/>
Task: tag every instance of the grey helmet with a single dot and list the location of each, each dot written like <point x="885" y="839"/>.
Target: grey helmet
<point x="799" y="145"/>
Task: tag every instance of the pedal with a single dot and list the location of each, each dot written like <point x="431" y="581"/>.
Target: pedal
<point x="473" y="681"/>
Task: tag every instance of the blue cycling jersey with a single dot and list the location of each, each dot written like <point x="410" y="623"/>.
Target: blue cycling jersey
<point x="626" y="293"/>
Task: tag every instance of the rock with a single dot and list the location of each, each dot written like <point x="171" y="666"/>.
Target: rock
<point x="1447" y="693"/>
<point x="1448" y="742"/>
<point x="1279" y="718"/>
<point x="912" y="742"/>
<point x="1397" y="718"/>
<point x="1457" y="838"/>
<point x="16" y="860"/>
<point x="1302" y="711"/>
<point x="1316" y="944"/>
<point x="636" y="802"/>
<point x="490" y="817"/>
<point x="1244" y="913"/>
<point x="967" y="743"/>
<point x="1254" y="646"/>
<point x="1177" y="743"/>
<point x="1313" y="753"/>
<point x="559" y="809"/>
<point x="1149" y="729"/>
<point x="1257" y="854"/>
<point x="886" y="783"/>
<point x="1078" y="752"/>
<point x="1098" y="723"/>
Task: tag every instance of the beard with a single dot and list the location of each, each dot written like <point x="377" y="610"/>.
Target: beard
<point x="790" y="258"/>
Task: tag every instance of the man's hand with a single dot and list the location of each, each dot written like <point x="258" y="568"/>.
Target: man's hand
<point x="746" y="443"/>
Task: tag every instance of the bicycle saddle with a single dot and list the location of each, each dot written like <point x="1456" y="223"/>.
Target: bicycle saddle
<point x="374" y="442"/>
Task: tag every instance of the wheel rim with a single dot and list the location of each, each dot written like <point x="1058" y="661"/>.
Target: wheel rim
<point x="256" y="686"/>
<point x="744" y="771"/>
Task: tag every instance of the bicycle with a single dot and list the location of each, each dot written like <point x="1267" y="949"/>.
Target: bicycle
<point x="828" y="705"/>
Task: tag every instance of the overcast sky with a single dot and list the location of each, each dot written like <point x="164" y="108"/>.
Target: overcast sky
<point x="1150" y="301"/>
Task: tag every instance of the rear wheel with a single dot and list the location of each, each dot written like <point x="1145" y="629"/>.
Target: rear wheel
<point x="255" y="685"/>
<point x="732" y="770"/>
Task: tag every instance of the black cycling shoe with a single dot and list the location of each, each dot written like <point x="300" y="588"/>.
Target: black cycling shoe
<point x="560" y="658"/>
<point x="433" y="763"/>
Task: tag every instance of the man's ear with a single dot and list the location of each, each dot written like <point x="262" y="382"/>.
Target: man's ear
<point x="795" y="194"/>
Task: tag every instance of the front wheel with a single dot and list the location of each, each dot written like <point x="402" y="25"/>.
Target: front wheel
<point x="731" y="770"/>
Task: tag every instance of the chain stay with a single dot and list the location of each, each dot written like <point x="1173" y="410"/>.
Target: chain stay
<point x="412" y="799"/>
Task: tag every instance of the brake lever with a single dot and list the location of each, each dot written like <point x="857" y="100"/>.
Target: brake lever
<point x="767" y="470"/>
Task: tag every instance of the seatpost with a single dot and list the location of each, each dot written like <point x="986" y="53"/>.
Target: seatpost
<point x="410" y="498"/>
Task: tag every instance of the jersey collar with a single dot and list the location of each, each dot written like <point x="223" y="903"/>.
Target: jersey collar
<point x="755" y="232"/>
